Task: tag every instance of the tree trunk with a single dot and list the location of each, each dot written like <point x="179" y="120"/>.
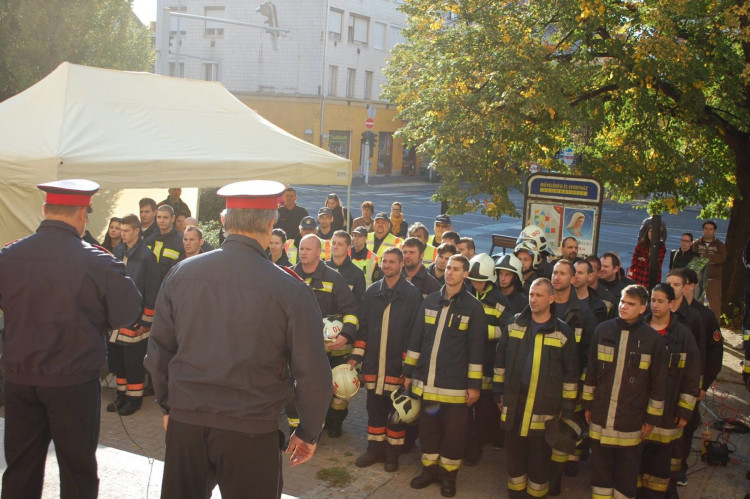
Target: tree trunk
<point x="733" y="276"/>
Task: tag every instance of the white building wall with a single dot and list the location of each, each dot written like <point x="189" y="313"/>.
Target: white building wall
<point x="248" y="62"/>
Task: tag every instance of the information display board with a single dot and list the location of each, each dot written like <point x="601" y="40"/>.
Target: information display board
<point x="565" y="206"/>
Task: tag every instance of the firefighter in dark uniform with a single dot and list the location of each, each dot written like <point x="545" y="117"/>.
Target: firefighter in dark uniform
<point x="623" y="394"/>
<point x="587" y="295"/>
<point x="662" y="450"/>
<point x="484" y="425"/>
<point x="59" y="296"/>
<point x="443" y="366"/>
<point x="220" y="347"/>
<point x="341" y="243"/>
<point x="130" y="342"/>
<point x="509" y="271"/>
<point x="334" y="299"/>
<point x="414" y="271"/>
<point x="386" y="321"/>
<point x="166" y="243"/>
<point x="535" y="380"/>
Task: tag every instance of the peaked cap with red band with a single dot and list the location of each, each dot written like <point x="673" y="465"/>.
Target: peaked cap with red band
<point x="252" y="194"/>
<point x="72" y="192"/>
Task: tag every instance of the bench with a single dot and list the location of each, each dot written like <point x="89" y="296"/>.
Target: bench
<point x="504" y="242"/>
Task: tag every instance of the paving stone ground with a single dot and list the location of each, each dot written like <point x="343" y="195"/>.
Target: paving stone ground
<point x="132" y="449"/>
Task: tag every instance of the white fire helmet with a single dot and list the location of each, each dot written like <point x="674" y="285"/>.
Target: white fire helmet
<point x="482" y="268"/>
<point x="530" y="247"/>
<point x="511" y="263"/>
<point x="345" y="382"/>
<point x="405" y="408"/>
<point x="536" y="234"/>
<point x="331" y="328"/>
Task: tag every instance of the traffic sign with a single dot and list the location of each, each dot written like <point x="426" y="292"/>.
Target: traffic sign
<point x="369" y="123"/>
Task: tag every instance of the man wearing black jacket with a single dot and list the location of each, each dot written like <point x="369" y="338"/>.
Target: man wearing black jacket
<point x="166" y="243"/>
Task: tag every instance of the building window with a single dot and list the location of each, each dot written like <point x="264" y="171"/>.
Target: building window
<point x="385" y="152"/>
<point x="338" y="142"/>
<point x="333" y="79"/>
<point x="358" y="27"/>
<point x="177" y="25"/>
<point x="214" y="28"/>
<point x="396" y="36"/>
<point x="351" y="80"/>
<point x="368" y="85"/>
<point x="211" y="71"/>
<point x="177" y="69"/>
<point x="335" y="20"/>
<point x="378" y="35"/>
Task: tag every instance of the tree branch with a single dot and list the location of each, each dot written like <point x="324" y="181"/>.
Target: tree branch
<point x="593" y="93"/>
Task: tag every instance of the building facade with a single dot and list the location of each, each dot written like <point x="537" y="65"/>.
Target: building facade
<point x="320" y="81"/>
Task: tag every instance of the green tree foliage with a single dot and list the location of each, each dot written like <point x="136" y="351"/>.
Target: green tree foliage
<point x="37" y="35"/>
<point x="653" y="95"/>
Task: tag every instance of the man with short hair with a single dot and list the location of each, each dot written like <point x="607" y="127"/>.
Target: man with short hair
<point x="366" y="221"/>
<point x="466" y="247"/>
<point x="442" y="225"/>
<point x="58" y="295"/>
<point x="414" y="271"/>
<point x="709" y="247"/>
<point x="175" y="201"/>
<point x="679" y="258"/>
<point x="130" y="342"/>
<point x="398" y="224"/>
<point x="444" y="366"/>
<point x="307" y="225"/>
<point x="363" y="258"/>
<point x="192" y="241"/>
<point x="167" y="243"/>
<point x="206" y="246"/>
<point x="604" y="294"/>
<point x="290" y="215"/>
<point x="569" y="249"/>
<point x="334" y="299"/>
<point x="437" y="268"/>
<point x="609" y="274"/>
<point x="623" y="394"/>
<point x="341" y="244"/>
<point x="387" y="316"/>
<point x="586" y="295"/>
<point x="450" y="237"/>
<point x="325" y="219"/>
<point x="222" y="397"/>
<point x="380" y="239"/>
<point x="148" y="217"/>
<point x="535" y="383"/>
<point x="419" y="231"/>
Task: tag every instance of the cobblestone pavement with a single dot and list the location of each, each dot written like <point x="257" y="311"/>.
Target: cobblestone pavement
<point x="131" y="450"/>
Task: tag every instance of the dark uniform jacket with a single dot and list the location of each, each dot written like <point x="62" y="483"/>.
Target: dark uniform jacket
<point x="495" y="306"/>
<point x="353" y="276"/>
<point x="446" y="347"/>
<point x="60" y="295"/>
<point x="615" y="287"/>
<point x="289" y="220"/>
<point x="141" y="267"/>
<point x="597" y="306"/>
<point x="610" y="301"/>
<point x="714" y="357"/>
<point x="517" y="300"/>
<point x="691" y="318"/>
<point x="334" y="297"/>
<point x="228" y="368"/>
<point x="387" y="341"/>
<point x="552" y="386"/>
<point x="683" y="374"/>
<point x="536" y="274"/>
<point x="152" y="230"/>
<point x="431" y="271"/>
<point x="167" y="248"/>
<point x="631" y="356"/>
<point x="425" y="283"/>
<point x="583" y="324"/>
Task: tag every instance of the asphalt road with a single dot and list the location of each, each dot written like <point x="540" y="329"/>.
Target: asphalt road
<point x="618" y="230"/>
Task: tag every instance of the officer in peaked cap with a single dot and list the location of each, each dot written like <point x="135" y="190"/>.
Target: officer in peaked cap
<point x="59" y="295"/>
<point x="222" y="395"/>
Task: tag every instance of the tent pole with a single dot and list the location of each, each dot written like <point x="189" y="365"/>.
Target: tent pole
<point x="348" y="205"/>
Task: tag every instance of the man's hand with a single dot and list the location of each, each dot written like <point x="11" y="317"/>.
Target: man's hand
<point x="680" y="422"/>
<point x="472" y="395"/>
<point x="338" y="344"/>
<point x="646" y="430"/>
<point x="166" y="421"/>
<point x="702" y="395"/>
<point x="500" y="404"/>
<point x="407" y="383"/>
<point x="300" y="451"/>
<point x="588" y="416"/>
<point x="352" y="364"/>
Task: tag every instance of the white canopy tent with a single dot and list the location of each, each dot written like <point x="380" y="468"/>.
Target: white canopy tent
<point x="139" y="130"/>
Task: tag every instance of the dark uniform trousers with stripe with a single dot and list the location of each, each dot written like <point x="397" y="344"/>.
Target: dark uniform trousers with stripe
<point x="614" y="470"/>
<point x="529" y="463"/>
<point x="653" y="480"/>
<point x="383" y="437"/>
<point x="128" y="364"/>
<point x="442" y="437"/>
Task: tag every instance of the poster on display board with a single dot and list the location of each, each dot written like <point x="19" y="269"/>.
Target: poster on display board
<point x="565" y="206"/>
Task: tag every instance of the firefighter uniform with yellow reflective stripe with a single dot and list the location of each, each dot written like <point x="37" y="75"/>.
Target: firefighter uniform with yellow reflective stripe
<point x="367" y="261"/>
<point x="130" y="342"/>
<point x="386" y="321"/>
<point x="485" y="425"/>
<point x="662" y="450"/>
<point x="389" y="241"/>
<point x="624" y="388"/>
<point x="167" y="249"/>
<point x="353" y="276"/>
<point x="444" y="359"/>
<point x="292" y="250"/>
<point x="536" y="374"/>
<point x="334" y="299"/>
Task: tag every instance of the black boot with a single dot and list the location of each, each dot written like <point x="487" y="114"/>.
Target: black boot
<point x="131" y="406"/>
<point x="428" y="476"/>
<point x="447" y="482"/>
<point x="391" y="463"/>
<point x="335" y="422"/>
<point x="369" y="458"/>
<point x="118" y="403"/>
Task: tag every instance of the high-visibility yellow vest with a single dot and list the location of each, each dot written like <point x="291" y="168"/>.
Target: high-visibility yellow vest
<point x="390" y="241"/>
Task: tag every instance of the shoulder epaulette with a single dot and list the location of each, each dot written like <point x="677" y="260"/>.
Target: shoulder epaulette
<point x="292" y="273"/>
<point x="102" y="248"/>
<point x="13" y="241"/>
